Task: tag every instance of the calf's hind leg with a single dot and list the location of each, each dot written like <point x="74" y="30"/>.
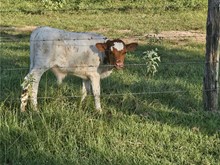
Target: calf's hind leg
<point x="85" y="89"/>
<point x="30" y="88"/>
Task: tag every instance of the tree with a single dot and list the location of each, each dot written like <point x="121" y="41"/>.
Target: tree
<point x="211" y="75"/>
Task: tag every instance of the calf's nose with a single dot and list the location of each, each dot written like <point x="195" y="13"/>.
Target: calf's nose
<point x="119" y="64"/>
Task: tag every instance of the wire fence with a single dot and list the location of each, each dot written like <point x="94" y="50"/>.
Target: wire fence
<point x="156" y="37"/>
<point x="17" y="99"/>
<point x="11" y="98"/>
<point x="100" y="38"/>
<point x="125" y="66"/>
<point x="6" y="39"/>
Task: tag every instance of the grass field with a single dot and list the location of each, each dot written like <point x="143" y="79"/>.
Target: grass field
<point x="146" y="120"/>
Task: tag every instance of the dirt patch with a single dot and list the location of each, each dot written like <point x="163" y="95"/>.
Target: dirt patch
<point x="26" y="28"/>
<point x="101" y="30"/>
<point x="177" y="36"/>
<point x="124" y="31"/>
<point x="132" y="39"/>
<point x="196" y="36"/>
<point x="19" y="29"/>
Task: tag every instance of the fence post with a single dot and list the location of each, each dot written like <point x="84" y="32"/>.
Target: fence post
<point x="211" y="74"/>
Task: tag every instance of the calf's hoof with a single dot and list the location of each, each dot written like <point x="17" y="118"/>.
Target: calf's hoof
<point x="99" y="110"/>
<point x="22" y="108"/>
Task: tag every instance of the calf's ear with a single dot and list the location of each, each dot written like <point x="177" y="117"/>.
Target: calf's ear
<point x="131" y="47"/>
<point x="101" y="46"/>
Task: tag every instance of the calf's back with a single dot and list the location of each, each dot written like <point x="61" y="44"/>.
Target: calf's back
<point x="68" y="51"/>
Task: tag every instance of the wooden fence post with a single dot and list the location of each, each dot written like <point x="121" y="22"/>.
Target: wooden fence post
<point x="211" y="74"/>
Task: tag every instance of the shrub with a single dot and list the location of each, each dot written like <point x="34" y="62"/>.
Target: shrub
<point x="152" y="59"/>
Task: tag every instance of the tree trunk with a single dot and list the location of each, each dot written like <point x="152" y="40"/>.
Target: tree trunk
<point x="211" y="75"/>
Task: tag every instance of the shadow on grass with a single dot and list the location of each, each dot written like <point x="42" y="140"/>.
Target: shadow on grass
<point x="21" y="147"/>
<point x="13" y="36"/>
<point x="14" y="50"/>
<point x="177" y="108"/>
<point x="173" y="96"/>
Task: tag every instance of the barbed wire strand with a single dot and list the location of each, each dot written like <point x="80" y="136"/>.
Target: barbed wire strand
<point x="126" y="65"/>
<point x="122" y="8"/>
<point x="115" y="94"/>
<point x="147" y="37"/>
<point x="104" y="38"/>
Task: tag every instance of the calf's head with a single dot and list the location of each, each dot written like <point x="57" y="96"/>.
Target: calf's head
<point x="115" y="51"/>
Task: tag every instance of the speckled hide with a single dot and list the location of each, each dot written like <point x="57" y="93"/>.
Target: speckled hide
<point x="81" y="54"/>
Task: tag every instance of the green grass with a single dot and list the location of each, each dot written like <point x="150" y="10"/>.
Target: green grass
<point x="144" y="122"/>
<point x="139" y="23"/>
<point x="111" y="22"/>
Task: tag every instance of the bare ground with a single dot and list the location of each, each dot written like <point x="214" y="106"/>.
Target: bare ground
<point x="193" y="35"/>
<point x="177" y="36"/>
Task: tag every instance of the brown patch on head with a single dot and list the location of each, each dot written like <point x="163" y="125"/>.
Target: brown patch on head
<point x="115" y="51"/>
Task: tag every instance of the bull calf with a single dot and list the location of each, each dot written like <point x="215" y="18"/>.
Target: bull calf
<point x="87" y="55"/>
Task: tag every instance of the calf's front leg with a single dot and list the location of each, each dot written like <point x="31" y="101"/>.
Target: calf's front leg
<point x="95" y="81"/>
<point x="30" y="88"/>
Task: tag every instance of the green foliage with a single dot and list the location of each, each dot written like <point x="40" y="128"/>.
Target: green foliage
<point x="121" y="5"/>
<point x="176" y="5"/>
<point x="184" y="4"/>
<point x="28" y="82"/>
<point x="159" y="120"/>
<point x="137" y="126"/>
<point x="53" y="4"/>
<point x="152" y="59"/>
